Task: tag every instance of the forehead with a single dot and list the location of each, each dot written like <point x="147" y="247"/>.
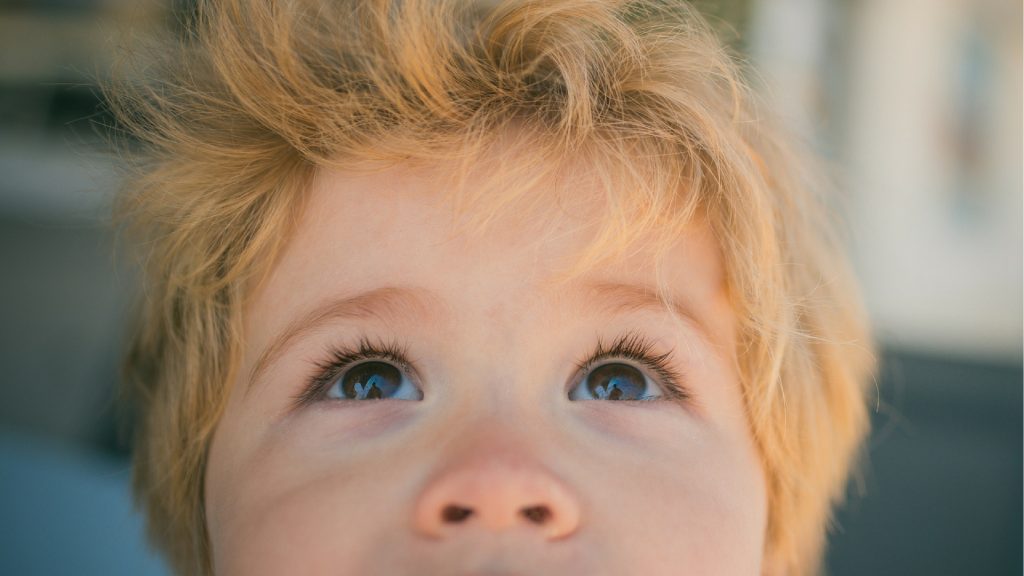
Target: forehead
<point x="398" y="227"/>
<point x="407" y="224"/>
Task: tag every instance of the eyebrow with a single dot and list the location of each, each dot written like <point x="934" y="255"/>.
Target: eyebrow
<point x="391" y="303"/>
<point x="618" y="298"/>
<point x="386" y="304"/>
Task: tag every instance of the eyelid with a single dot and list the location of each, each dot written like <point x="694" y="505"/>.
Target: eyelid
<point x="338" y="360"/>
<point x="639" y="350"/>
<point x="629" y="345"/>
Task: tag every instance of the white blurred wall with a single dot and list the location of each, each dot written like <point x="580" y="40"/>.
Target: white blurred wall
<point x="920" y="103"/>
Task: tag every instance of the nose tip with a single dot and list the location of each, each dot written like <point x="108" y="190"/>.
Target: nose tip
<point x="497" y="497"/>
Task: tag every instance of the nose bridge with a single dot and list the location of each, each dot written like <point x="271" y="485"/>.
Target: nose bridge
<point x="494" y="483"/>
<point x="494" y="472"/>
<point x="496" y="373"/>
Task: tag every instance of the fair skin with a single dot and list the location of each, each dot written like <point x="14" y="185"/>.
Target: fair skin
<point x="484" y="450"/>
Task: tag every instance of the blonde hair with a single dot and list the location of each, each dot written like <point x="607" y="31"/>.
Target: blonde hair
<point x="235" y="121"/>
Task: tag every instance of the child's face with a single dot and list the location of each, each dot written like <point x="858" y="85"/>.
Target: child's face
<point x="474" y="444"/>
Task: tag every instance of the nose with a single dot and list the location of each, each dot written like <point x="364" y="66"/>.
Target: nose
<point x="497" y="494"/>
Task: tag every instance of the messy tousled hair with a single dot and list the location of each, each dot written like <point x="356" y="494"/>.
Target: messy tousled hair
<point x="227" y="126"/>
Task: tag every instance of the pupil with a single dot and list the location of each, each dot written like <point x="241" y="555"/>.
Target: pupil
<point x="616" y="392"/>
<point x="616" y="382"/>
<point x="371" y="380"/>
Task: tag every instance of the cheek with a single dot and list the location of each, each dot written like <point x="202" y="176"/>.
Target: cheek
<point x="280" y="532"/>
<point x="723" y="514"/>
<point x="702" y="502"/>
<point x="291" y="514"/>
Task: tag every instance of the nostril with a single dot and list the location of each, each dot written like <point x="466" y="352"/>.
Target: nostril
<point x="456" y="514"/>
<point x="536" y="514"/>
<point x="509" y="493"/>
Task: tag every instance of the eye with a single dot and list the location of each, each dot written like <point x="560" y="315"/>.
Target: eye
<point x="371" y="370"/>
<point x="620" y="372"/>
<point x="373" y="381"/>
<point x="615" y="381"/>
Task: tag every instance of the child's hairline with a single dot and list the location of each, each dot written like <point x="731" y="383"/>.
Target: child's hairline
<point x="560" y="178"/>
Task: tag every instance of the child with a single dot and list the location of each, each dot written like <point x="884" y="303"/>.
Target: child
<point x="450" y="287"/>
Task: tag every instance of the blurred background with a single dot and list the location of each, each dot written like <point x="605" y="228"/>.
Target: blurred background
<point x="917" y="103"/>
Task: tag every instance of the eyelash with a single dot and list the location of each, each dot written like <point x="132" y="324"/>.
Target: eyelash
<point x="631" y="346"/>
<point x="635" y="347"/>
<point x="341" y="359"/>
